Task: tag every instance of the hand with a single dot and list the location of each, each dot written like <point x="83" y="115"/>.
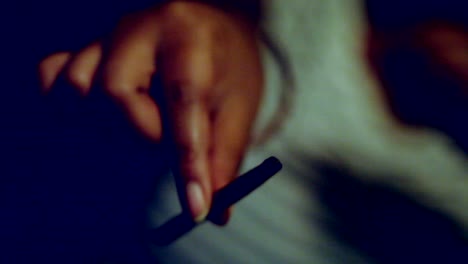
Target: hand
<point x="210" y="65"/>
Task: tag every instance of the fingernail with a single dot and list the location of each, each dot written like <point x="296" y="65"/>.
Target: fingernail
<point x="196" y="200"/>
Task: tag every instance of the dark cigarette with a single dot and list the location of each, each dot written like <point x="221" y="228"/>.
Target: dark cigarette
<point x="222" y="199"/>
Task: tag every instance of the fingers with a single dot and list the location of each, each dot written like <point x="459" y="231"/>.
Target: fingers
<point x="127" y="73"/>
<point x="209" y="121"/>
<point x="79" y="70"/>
<point x="50" y="68"/>
<point x="83" y="67"/>
<point x="191" y="131"/>
<point x="188" y="77"/>
<point x="231" y="135"/>
<point x="213" y="99"/>
<point x="235" y="116"/>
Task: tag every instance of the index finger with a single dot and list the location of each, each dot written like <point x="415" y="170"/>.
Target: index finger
<point x="187" y="73"/>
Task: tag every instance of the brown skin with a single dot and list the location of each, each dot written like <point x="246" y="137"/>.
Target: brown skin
<point x="212" y="76"/>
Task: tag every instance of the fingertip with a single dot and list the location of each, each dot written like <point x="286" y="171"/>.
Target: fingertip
<point x="223" y="219"/>
<point x="197" y="201"/>
<point x="80" y="80"/>
<point x="224" y="169"/>
<point x="198" y="190"/>
<point x="49" y="69"/>
<point x="83" y="68"/>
